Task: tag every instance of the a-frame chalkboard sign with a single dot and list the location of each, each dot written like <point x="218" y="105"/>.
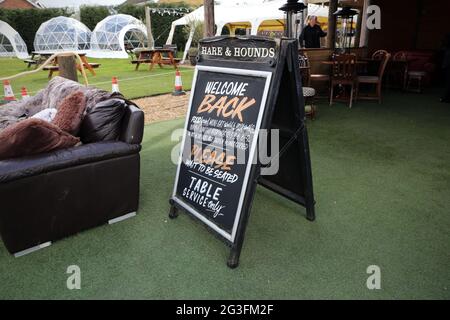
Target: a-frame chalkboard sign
<point x="242" y="86"/>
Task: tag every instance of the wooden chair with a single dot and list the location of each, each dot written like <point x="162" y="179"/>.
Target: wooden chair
<point x="318" y="77"/>
<point x="379" y="55"/>
<point x="400" y="56"/>
<point x="343" y="73"/>
<point x="397" y="70"/>
<point x="374" y="80"/>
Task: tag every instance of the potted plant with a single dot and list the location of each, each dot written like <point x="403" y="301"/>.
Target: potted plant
<point x="193" y="52"/>
<point x="194" y="30"/>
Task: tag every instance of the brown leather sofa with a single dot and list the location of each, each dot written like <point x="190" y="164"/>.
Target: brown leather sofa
<point x="51" y="196"/>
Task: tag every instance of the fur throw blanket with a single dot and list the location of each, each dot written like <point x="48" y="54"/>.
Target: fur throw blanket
<point x="50" y="97"/>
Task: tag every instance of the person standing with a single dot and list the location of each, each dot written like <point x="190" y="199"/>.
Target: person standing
<point x="311" y="34"/>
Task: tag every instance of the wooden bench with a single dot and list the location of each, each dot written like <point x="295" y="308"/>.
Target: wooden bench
<point x="141" y="61"/>
<point x="30" y="62"/>
<point x="168" y="61"/>
<point x="138" y="62"/>
<point x="53" y="69"/>
<point x="95" y="65"/>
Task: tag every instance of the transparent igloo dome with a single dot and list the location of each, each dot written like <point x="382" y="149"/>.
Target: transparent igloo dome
<point x="62" y="34"/>
<point x="11" y="43"/>
<point x="116" y="34"/>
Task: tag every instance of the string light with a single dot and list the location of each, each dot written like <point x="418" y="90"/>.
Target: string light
<point x="170" y="11"/>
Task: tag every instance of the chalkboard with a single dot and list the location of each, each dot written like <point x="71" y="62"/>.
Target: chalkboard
<point x="225" y="114"/>
<point x="242" y="85"/>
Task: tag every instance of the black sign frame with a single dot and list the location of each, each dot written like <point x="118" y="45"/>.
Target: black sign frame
<point x="230" y="237"/>
<point x="283" y="109"/>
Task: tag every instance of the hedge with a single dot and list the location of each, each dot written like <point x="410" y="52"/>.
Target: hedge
<point x="91" y="15"/>
<point x="28" y="21"/>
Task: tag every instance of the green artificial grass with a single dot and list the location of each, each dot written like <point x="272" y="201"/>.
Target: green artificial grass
<point x="382" y="184"/>
<point x="133" y="84"/>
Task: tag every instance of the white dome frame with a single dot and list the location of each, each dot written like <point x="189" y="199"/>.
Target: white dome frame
<point x="18" y="46"/>
<point x="133" y="24"/>
<point x="68" y="39"/>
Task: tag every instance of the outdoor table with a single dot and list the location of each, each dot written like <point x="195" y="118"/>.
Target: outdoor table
<point x="155" y="56"/>
<point x="44" y="55"/>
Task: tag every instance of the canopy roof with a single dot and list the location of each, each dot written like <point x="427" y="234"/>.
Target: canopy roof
<point x="11" y="43"/>
<point x="236" y="14"/>
<point x="114" y="34"/>
<point x="255" y="14"/>
<point x="61" y="34"/>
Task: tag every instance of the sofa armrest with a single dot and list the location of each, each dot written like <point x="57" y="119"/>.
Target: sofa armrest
<point x="133" y="125"/>
<point x="15" y="169"/>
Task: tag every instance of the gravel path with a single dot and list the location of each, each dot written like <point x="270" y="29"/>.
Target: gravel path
<point x="163" y="107"/>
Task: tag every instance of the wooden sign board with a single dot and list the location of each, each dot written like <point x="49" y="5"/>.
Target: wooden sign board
<point x="240" y="86"/>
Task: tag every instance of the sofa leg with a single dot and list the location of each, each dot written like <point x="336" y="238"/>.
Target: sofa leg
<point x="122" y="218"/>
<point x="33" y="249"/>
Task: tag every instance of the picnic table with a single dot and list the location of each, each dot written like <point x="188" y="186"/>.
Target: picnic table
<point x="39" y="57"/>
<point x="160" y="57"/>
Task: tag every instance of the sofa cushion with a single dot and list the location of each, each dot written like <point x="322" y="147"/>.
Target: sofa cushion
<point x="70" y="113"/>
<point x="57" y="89"/>
<point x="15" y="169"/>
<point x="133" y="125"/>
<point x="33" y="136"/>
<point x="103" y="122"/>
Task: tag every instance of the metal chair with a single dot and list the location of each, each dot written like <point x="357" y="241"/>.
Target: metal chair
<point x="417" y="77"/>
<point x="309" y="93"/>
